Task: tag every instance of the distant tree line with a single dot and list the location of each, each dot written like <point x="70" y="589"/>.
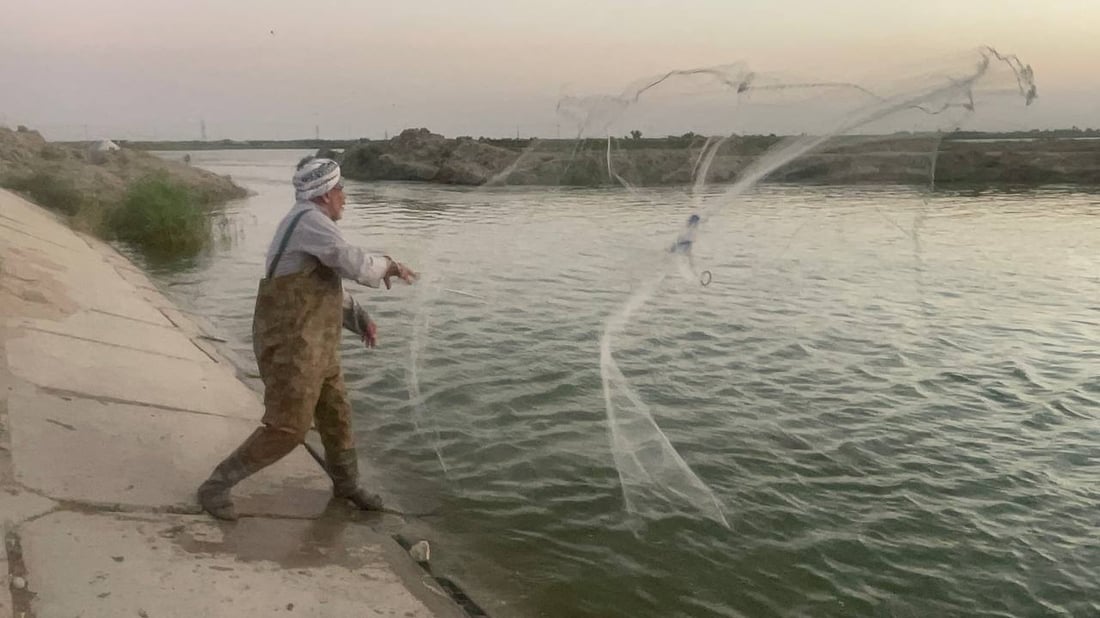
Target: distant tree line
<point x="633" y="141"/>
<point x="1071" y="132"/>
<point x="230" y="144"/>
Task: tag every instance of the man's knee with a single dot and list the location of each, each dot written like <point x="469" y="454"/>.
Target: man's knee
<point x="267" y="445"/>
<point x="289" y="432"/>
<point x="293" y="417"/>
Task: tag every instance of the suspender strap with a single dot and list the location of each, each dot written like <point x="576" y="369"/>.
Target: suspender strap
<point x="283" y="242"/>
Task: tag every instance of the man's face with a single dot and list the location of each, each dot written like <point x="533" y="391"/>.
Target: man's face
<point x="334" y="202"/>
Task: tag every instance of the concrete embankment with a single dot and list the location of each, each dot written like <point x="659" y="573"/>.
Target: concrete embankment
<point x="114" y="406"/>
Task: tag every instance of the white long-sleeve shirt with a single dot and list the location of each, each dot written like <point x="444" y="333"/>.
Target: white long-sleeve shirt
<point x="316" y="237"/>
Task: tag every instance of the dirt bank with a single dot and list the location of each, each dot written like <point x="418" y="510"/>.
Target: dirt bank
<point x="87" y="183"/>
<point x="419" y="155"/>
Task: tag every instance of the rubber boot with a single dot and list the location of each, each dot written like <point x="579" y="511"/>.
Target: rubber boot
<point x="214" y="492"/>
<point x="344" y="468"/>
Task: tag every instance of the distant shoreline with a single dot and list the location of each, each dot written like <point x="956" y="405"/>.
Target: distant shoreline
<point x="340" y="144"/>
<point x="963" y="158"/>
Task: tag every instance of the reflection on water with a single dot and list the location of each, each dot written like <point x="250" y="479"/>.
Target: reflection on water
<point x="894" y="396"/>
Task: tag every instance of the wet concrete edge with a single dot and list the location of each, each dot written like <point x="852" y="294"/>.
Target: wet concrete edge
<point x="203" y="335"/>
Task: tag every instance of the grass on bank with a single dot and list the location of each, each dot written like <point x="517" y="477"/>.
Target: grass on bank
<point x="160" y="216"/>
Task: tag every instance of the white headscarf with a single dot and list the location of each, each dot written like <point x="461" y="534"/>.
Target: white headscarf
<point x="315" y="177"/>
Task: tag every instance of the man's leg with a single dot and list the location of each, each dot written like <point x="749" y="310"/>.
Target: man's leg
<point x="333" y="416"/>
<point x="289" y="400"/>
<point x="264" y="447"/>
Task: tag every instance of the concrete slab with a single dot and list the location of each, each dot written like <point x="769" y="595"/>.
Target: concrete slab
<point x="136" y="278"/>
<point x="112" y="565"/>
<point x="187" y="322"/>
<point x="156" y="458"/>
<point x="119" y="331"/>
<point x="18" y="505"/>
<point x="207" y="348"/>
<point x="132" y="376"/>
<point x="16" y="234"/>
<point x="28" y="288"/>
<point x="100" y="287"/>
<point x="31" y="221"/>
<point x="6" y="605"/>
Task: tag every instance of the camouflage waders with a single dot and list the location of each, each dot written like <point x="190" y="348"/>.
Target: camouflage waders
<point x="296" y="336"/>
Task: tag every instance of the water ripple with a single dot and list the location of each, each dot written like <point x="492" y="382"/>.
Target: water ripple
<point x="892" y="430"/>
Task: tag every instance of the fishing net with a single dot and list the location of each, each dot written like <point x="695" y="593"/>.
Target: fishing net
<point x="704" y="138"/>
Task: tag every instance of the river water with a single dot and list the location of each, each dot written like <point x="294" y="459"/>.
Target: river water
<point x="894" y="396"/>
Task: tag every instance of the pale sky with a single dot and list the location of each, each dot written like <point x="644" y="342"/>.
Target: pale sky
<point x="276" y="69"/>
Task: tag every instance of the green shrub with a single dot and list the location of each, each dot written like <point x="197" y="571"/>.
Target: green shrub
<point x="161" y="217"/>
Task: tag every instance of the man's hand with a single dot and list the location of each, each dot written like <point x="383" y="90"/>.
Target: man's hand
<point x="370" y="336"/>
<point x="397" y="269"/>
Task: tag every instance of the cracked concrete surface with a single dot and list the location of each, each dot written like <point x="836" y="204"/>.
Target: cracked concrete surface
<point x="114" y="406"/>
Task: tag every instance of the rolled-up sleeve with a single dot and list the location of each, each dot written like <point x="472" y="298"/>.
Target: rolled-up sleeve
<point x="319" y="237"/>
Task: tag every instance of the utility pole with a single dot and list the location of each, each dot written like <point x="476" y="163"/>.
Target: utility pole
<point x="202" y="128"/>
